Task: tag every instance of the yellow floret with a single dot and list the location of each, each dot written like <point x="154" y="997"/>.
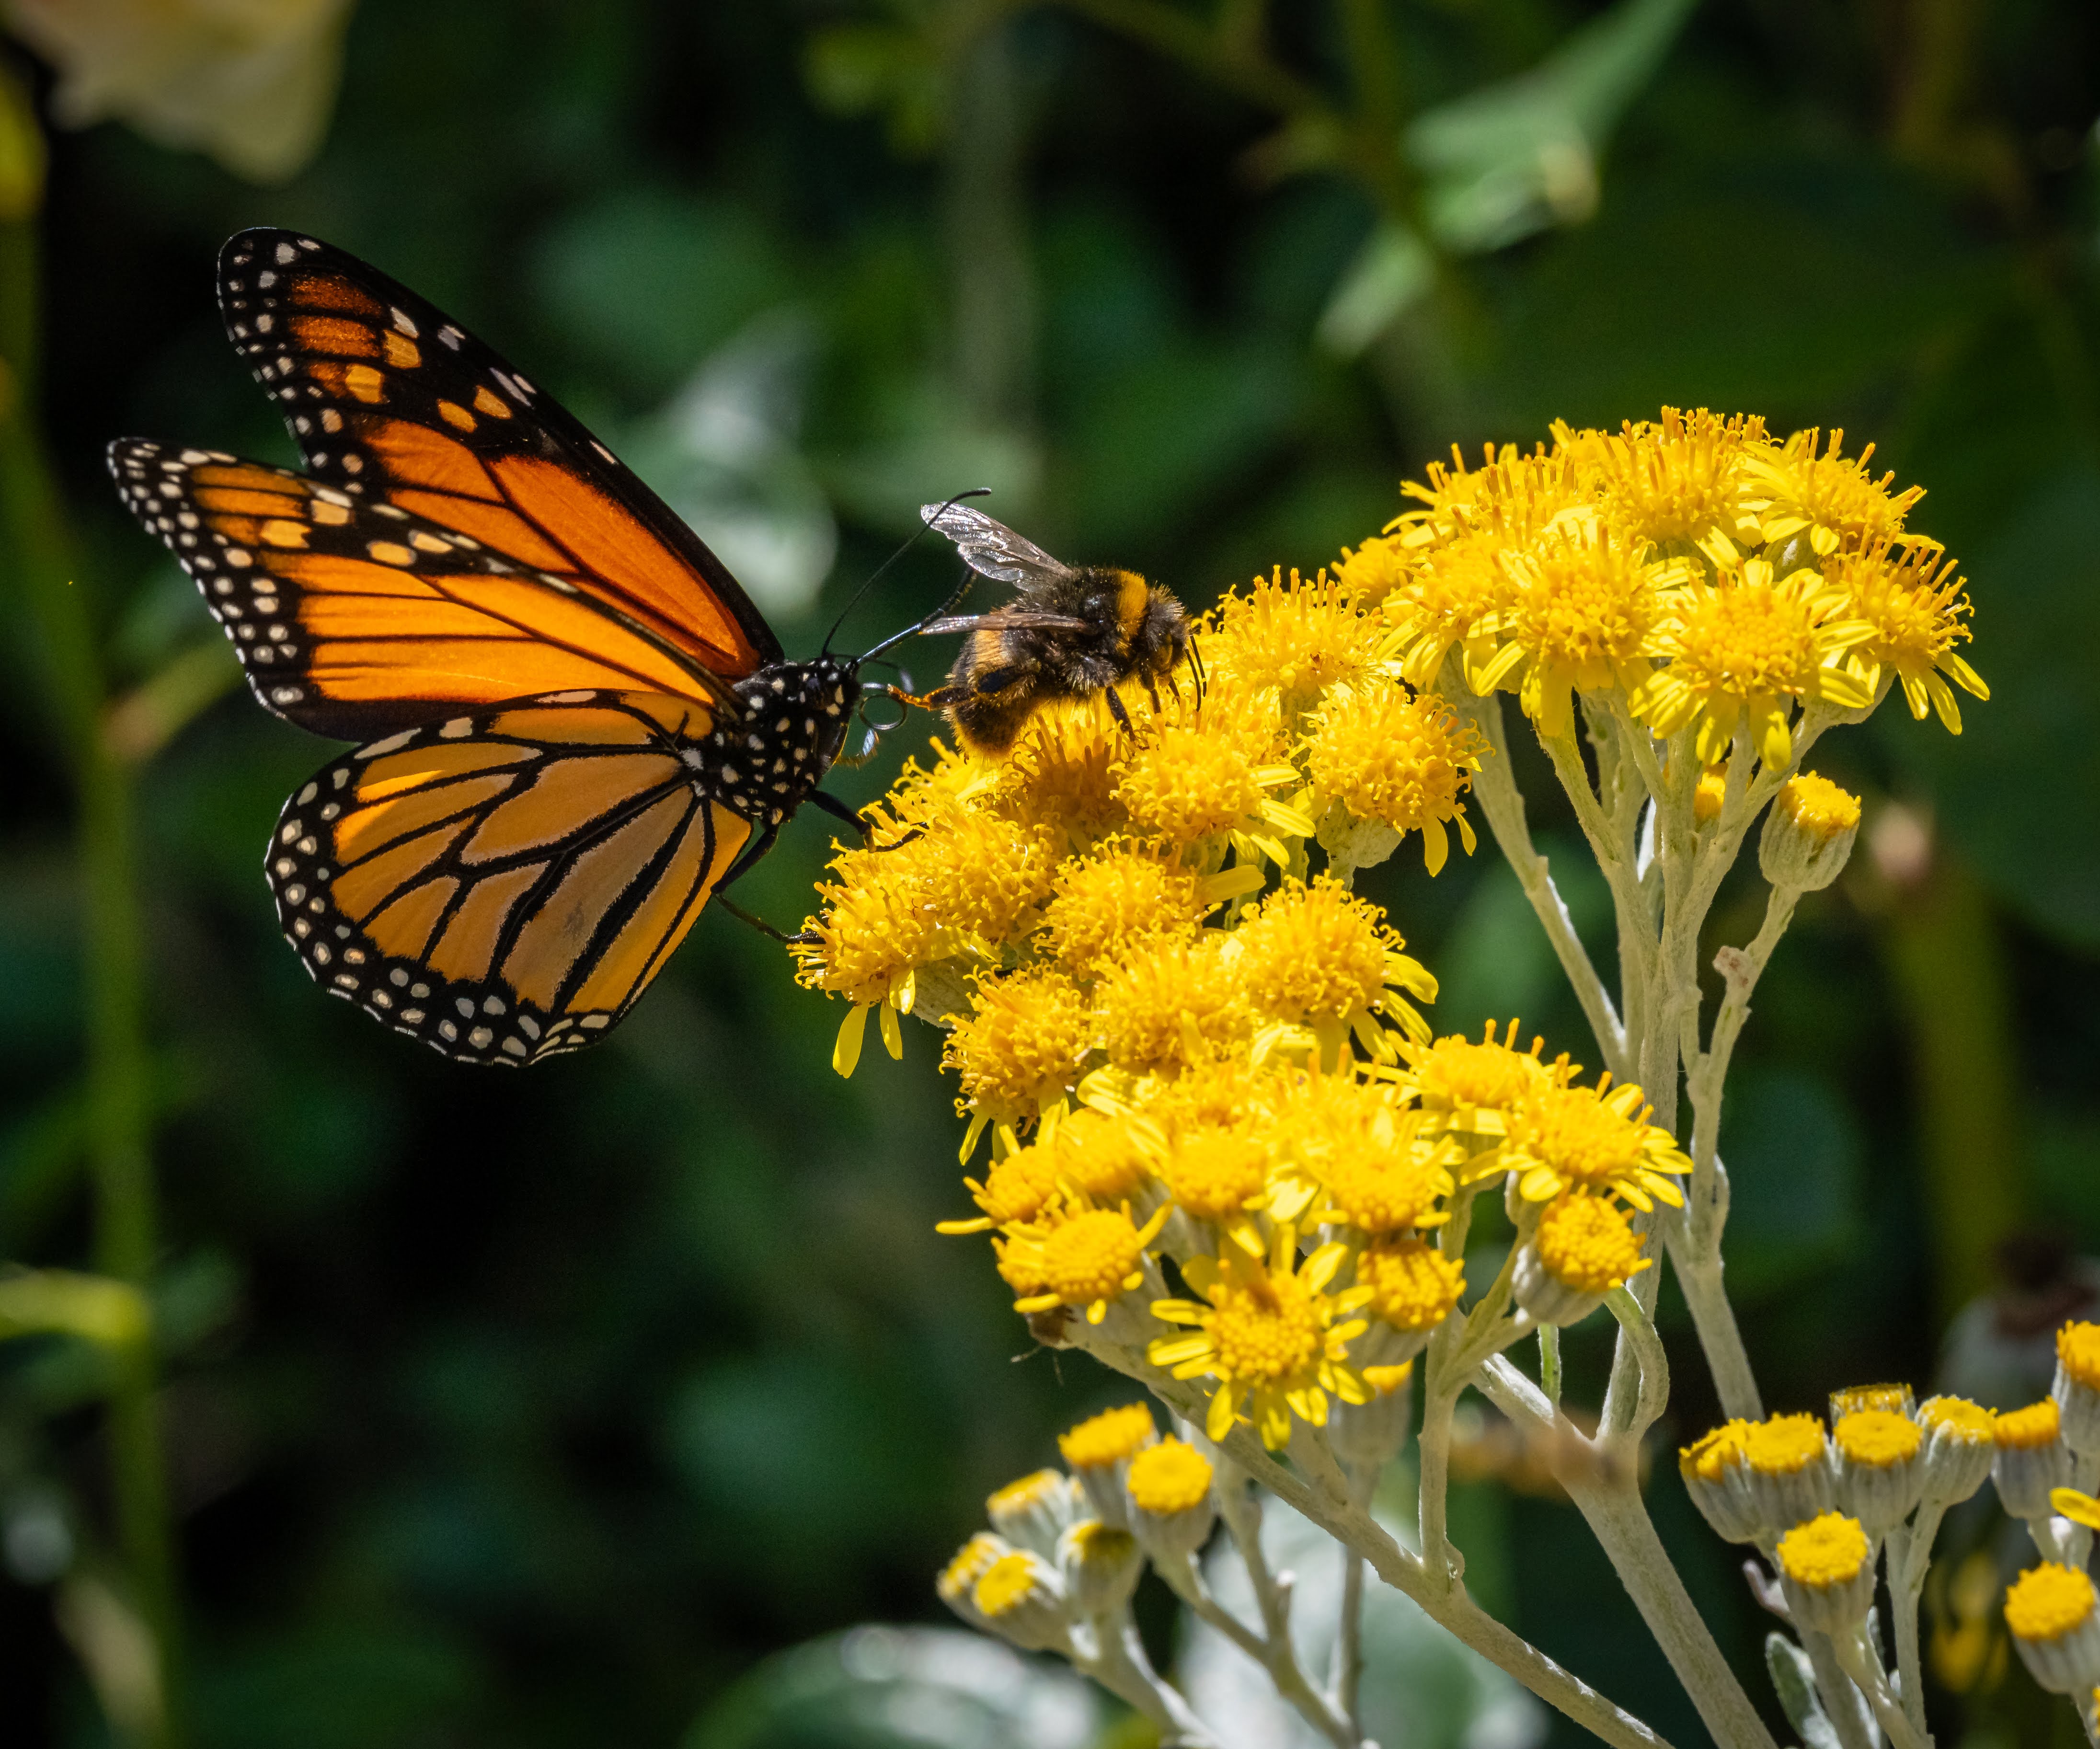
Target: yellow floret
<point x="1588" y="1243"/>
<point x="1413" y="1285"/>
<point x="2029" y="1428"/>
<point x="1102" y="904"/>
<point x="1827" y="1551"/>
<point x="1400" y="759"/>
<point x="2048" y="1601"/>
<point x="2078" y="1352"/>
<point x="1020" y="1047"/>
<point x="1877" y="1438"/>
<point x="1817" y="807"/>
<point x="1784" y="1445"/>
<point x="1176" y="1004"/>
<point x="1169" y="1477"/>
<point x="1107" y="1439"/>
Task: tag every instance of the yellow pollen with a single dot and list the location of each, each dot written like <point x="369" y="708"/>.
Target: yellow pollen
<point x="1107" y="1439"/>
<point x="1827" y="1551"/>
<point x="1169" y="1477"/>
<point x="1413" y="1285"/>
<point x="1785" y="1445"/>
<point x="2078" y="1352"/>
<point x="2048" y="1601"/>
<point x="2029" y="1429"/>
<point x="1587" y="1243"/>
<point x="1817" y="807"/>
<point x="1877" y="1438"/>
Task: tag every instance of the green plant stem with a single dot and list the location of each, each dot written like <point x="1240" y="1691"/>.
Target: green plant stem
<point x="39" y="559"/>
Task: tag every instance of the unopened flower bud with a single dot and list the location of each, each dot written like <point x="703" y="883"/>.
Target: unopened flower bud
<point x="1808" y="833"/>
<point x="1961" y="1443"/>
<point x="1020" y="1598"/>
<point x="972" y="1561"/>
<point x="2031" y="1459"/>
<point x="1033" y="1513"/>
<point x="1786" y="1460"/>
<point x="2076" y="1391"/>
<point x="1099" y="1450"/>
<point x="1370" y="1433"/>
<point x="1718" y="1480"/>
<point x="1880" y="1474"/>
<point x="2050" y="1610"/>
<point x="1826" y="1569"/>
<point x="1101" y="1566"/>
<point x="1171" y="1505"/>
<point x="1582" y="1248"/>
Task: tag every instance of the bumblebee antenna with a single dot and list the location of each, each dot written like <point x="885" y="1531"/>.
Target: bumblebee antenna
<point x="880" y="570"/>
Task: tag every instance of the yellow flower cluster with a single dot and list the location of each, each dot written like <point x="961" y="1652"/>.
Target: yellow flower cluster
<point x="1185" y="1042"/>
<point x="1694" y="571"/>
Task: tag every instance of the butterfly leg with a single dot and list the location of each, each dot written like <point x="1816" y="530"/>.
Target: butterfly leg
<point x="839" y="809"/>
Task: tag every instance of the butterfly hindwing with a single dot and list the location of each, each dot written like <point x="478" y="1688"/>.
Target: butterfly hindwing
<point x="389" y="398"/>
<point x="353" y="618"/>
<point x="503" y="885"/>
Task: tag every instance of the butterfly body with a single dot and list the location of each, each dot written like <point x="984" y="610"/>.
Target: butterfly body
<point x="1073" y="632"/>
<point x="576" y="726"/>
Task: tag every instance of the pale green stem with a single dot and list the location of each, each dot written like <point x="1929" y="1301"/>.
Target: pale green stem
<point x="1549" y="1362"/>
<point x="1494" y="786"/>
<point x="1846" y="1708"/>
<point x="1910" y="1557"/>
<point x="1863" y="1664"/>
<point x="1120" y="1665"/>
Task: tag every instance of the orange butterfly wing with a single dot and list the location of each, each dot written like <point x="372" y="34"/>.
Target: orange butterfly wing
<point x="391" y="402"/>
<point x="505" y="885"/>
<point x="353" y="618"/>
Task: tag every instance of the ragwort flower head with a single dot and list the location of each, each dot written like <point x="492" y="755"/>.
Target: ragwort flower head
<point x="1917" y="605"/>
<point x="1452" y="598"/>
<point x="1467" y="1088"/>
<point x="1087" y="1257"/>
<point x="1018" y="1191"/>
<point x="1414" y="1287"/>
<point x="1061" y="774"/>
<point x="1103" y="1159"/>
<point x="1744" y="652"/>
<point x="1381" y="754"/>
<point x="1675" y="481"/>
<point x="1318" y="958"/>
<point x="1370" y="572"/>
<point x="1217" y="1175"/>
<point x="1587" y="1243"/>
<point x="1177" y="1004"/>
<point x="1796" y="488"/>
<point x="1268" y="1333"/>
<point x="1296" y="639"/>
<point x="1021" y="1046"/>
<point x="1582" y="619"/>
<point x="1103" y="906"/>
<point x="1596" y="1139"/>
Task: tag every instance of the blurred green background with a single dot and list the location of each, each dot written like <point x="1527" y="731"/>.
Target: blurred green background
<point x="546" y="1409"/>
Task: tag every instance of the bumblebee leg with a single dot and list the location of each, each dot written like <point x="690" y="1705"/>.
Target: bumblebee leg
<point x="986" y="680"/>
<point x="1152" y="691"/>
<point x="1117" y="711"/>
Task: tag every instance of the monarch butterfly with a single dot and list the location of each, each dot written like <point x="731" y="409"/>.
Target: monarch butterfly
<point x="576" y="726"/>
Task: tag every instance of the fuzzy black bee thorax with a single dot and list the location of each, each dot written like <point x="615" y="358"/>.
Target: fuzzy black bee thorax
<point x="765" y="765"/>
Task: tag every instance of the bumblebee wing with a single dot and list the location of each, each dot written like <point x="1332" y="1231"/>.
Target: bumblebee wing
<point x="1007" y="619"/>
<point x="992" y="549"/>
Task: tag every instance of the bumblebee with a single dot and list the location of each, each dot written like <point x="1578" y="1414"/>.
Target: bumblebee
<point x="1072" y="633"/>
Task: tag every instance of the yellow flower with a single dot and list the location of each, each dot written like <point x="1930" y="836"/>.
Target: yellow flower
<point x="1178" y="1004"/>
<point x="1296" y="639"/>
<point x="1103" y="1440"/>
<point x="1089" y="1258"/>
<point x="1582" y="619"/>
<point x="1587" y="1243"/>
<point x="1793" y="488"/>
<point x="1102" y="906"/>
<point x="1393" y="1190"/>
<point x="1673" y="482"/>
<point x="1595" y="1139"/>
<point x="1816" y="807"/>
<point x="1360" y="1154"/>
<point x="1917" y="605"/>
<point x="1169" y="1477"/>
<point x="1104" y="1158"/>
<point x="1370" y="572"/>
<point x="1711" y="796"/>
<point x="1745" y="651"/>
<point x="1017" y="1190"/>
<point x="1020" y="1047"/>
<point x="1216" y="1175"/>
<point x="1826" y="1552"/>
<point x="1316" y="957"/>
<point x="2048" y="1601"/>
<point x="1466" y="1089"/>
<point x="1061" y="774"/>
<point x="1266" y="1332"/>
<point x="1188" y="784"/>
<point x="1382" y="754"/>
<point x="1454" y="598"/>
<point x="1412" y="1285"/>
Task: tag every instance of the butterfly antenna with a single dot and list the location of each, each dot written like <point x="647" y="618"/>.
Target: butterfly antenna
<point x="880" y="570"/>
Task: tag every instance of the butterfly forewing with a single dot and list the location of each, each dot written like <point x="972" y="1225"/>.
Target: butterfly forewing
<point x="354" y="618"/>
<point x="389" y="399"/>
<point x="503" y="885"/>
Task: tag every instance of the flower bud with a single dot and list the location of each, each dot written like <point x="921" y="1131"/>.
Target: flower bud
<point x="1171" y="1506"/>
<point x="1826" y="1569"/>
<point x="1718" y="1480"/>
<point x="2050" y="1610"/>
<point x="1786" y="1460"/>
<point x="1850" y="1399"/>
<point x="1880" y="1474"/>
<point x="972" y="1561"/>
<point x="1808" y="833"/>
<point x="1099" y="1450"/>
<point x="2031" y="1459"/>
<point x="1101" y="1566"/>
<point x="1961" y="1443"/>
<point x="1020" y="1598"/>
<point x="2076" y="1391"/>
<point x="1033" y="1513"/>
<point x="1582" y="1248"/>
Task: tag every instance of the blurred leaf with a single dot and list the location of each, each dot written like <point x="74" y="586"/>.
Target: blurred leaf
<point x="903" y="1688"/>
<point x="860" y="69"/>
<point x="343" y="1687"/>
<point x="1393" y="269"/>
